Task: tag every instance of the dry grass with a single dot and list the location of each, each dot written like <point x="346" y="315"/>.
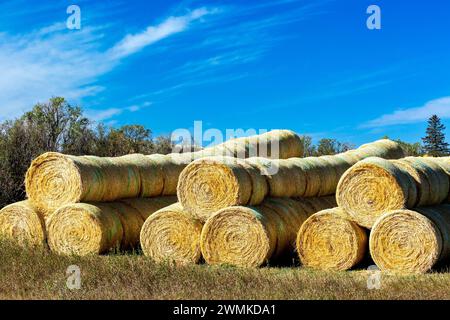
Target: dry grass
<point x="41" y="275"/>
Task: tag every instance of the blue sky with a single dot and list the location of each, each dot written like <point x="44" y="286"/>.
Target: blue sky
<point x="310" y="66"/>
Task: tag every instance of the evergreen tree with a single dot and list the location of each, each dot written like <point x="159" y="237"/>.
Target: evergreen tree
<point x="434" y="141"/>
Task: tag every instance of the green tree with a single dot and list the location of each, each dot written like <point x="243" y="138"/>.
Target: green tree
<point x="308" y="147"/>
<point x="331" y="146"/>
<point x="52" y="126"/>
<point x="411" y="149"/>
<point x="51" y="122"/>
<point x="434" y="141"/>
<point x="163" y="145"/>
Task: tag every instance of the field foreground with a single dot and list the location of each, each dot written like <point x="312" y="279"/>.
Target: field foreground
<point x="42" y="275"/>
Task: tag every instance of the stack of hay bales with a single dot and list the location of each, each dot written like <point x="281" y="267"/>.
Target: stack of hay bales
<point x="210" y="184"/>
<point x="251" y="214"/>
<point x="54" y="179"/>
<point x="253" y="236"/>
<point x="96" y="228"/>
<point x="90" y="204"/>
<point x="399" y="202"/>
<point x="375" y="186"/>
<point x="238" y="235"/>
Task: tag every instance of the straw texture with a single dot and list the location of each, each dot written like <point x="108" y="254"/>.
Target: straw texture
<point x="411" y="241"/>
<point x="97" y="228"/>
<point x="375" y="186"/>
<point x="252" y="236"/>
<point x="210" y="184"/>
<point x="171" y="235"/>
<point x="329" y="241"/>
<point x="275" y="144"/>
<point x="214" y="183"/>
<point x="54" y="179"/>
<point x="22" y="224"/>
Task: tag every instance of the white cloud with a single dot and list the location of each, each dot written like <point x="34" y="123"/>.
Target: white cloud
<point x="441" y="107"/>
<point x="133" y="43"/>
<point x="54" y="61"/>
<point x="107" y="114"/>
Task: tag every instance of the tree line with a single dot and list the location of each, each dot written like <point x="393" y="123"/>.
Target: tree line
<point x="60" y="127"/>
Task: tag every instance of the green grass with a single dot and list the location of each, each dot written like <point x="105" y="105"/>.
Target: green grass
<point x="38" y="274"/>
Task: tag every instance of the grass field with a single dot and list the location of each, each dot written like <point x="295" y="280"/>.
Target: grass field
<point x="42" y="275"/>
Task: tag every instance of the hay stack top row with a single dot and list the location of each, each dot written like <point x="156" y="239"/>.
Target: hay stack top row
<point x="54" y="179"/>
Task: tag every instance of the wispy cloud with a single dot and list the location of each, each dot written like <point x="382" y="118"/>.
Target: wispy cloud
<point x="107" y="114"/>
<point x="55" y="61"/>
<point x="242" y="34"/>
<point x="441" y="107"/>
<point x="135" y="42"/>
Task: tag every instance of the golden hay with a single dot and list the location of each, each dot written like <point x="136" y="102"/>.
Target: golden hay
<point x="54" y="179"/>
<point x="433" y="187"/>
<point x="210" y="184"/>
<point x="374" y="186"/>
<point x="22" y="224"/>
<point x="147" y="207"/>
<point x="276" y="184"/>
<point x="171" y="166"/>
<point x="96" y="228"/>
<point x="407" y="241"/>
<point x="131" y="221"/>
<point x="171" y="235"/>
<point x="444" y="162"/>
<point x="329" y="241"/>
<point x="151" y="175"/>
<point x="252" y="236"/>
<point x="82" y="229"/>
<point x="217" y="182"/>
<point x="279" y="144"/>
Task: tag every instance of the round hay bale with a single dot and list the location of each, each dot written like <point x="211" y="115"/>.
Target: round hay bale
<point x="407" y="241"/>
<point x="339" y="165"/>
<point x="431" y="179"/>
<point x="131" y="221"/>
<point x="151" y="175"/>
<point x="439" y="180"/>
<point x="444" y="162"/>
<point x="209" y="184"/>
<point x="22" y="224"/>
<point x="240" y="236"/>
<point x="171" y="235"/>
<point x="83" y="229"/>
<point x="147" y="206"/>
<point x="54" y="180"/>
<point x="276" y="144"/>
<point x="280" y="176"/>
<point x="372" y="187"/>
<point x="421" y="178"/>
<point x="383" y="148"/>
<point x="252" y="236"/>
<point x="171" y="166"/>
<point x="119" y="177"/>
<point x="329" y="241"/>
<point x="260" y="187"/>
<point x="311" y="170"/>
<point x="287" y="142"/>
